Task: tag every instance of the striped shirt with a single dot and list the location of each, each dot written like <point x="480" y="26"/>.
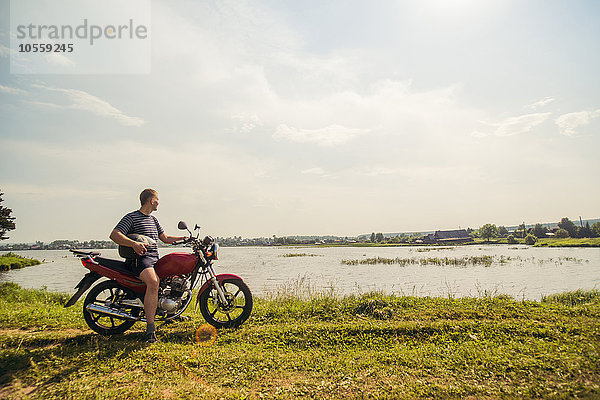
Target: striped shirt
<point x="142" y="224"/>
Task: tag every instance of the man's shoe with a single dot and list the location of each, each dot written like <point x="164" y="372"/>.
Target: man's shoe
<point x="151" y="337"/>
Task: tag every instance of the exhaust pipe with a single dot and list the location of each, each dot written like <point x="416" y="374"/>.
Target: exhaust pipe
<point x="113" y="312"/>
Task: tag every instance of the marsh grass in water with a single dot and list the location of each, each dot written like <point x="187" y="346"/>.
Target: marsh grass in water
<point x="300" y="255"/>
<point x="456" y="261"/>
<point x="466" y="261"/>
<point x="426" y="249"/>
<point x="326" y="346"/>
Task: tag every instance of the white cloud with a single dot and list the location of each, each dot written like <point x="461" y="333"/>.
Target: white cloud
<point x="80" y="100"/>
<point x="11" y="90"/>
<point x="237" y="171"/>
<point x="245" y="123"/>
<point x="59" y="59"/>
<point x="5" y="51"/>
<point x="58" y="191"/>
<point x="568" y="123"/>
<point x="519" y="125"/>
<point x="314" y="171"/>
<point x="332" y="135"/>
<point x="378" y="171"/>
<point x="542" y="102"/>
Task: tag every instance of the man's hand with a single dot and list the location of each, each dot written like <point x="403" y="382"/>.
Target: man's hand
<point x="170" y="239"/>
<point x="139" y="248"/>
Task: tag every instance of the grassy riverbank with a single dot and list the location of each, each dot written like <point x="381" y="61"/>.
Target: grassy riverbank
<point x="10" y="261"/>
<point x="369" y="346"/>
<point x="568" y="242"/>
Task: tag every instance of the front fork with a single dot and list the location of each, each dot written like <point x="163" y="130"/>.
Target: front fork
<point x="216" y="285"/>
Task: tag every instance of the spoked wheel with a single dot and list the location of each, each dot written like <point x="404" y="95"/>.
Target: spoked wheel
<point x="109" y="294"/>
<point x="234" y="312"/>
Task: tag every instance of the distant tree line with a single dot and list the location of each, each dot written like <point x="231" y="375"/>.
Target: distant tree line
<point x="565" y="229"/>
<point x="62" y="245"/>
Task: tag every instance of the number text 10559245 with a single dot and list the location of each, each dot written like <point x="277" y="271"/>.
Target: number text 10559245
<point x="45" y="48"/>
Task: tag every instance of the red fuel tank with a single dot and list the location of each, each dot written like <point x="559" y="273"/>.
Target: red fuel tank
<point x="175" y="264"/>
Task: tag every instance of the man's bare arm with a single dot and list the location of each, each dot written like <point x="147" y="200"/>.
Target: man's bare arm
<point x="170" y="239"/>
<point x="118" y="237"/>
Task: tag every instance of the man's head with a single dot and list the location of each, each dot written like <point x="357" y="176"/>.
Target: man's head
<point x="149" y="196"/>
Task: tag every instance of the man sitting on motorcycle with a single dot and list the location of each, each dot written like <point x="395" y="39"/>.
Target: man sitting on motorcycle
<point x="142" y="223"/>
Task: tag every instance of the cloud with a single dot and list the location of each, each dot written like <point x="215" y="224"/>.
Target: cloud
<point x="568" y="123"/>
<point x="541" y="103"/>
<point x="314" y="171"/>
<point x="10" y="90"/>
<point x="245" y="123"/>
<point x="80" y="100"/>
<point x="378" y="171"/>
<point x="5" y="51"/>
<point x="237" y="171"/>
<point x="59" y="59"/>
<point x="332" y="135"/>
<point x="58" y="190"/>
<point x="519" y="125"/>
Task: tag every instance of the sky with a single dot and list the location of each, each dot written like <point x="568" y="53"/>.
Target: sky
<point x="271" y="117"/>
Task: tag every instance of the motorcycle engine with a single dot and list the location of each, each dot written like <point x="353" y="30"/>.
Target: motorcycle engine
<point x="170" y="298"/>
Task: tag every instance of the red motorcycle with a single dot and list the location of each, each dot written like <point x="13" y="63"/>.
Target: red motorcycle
<point x="115" y="305"/>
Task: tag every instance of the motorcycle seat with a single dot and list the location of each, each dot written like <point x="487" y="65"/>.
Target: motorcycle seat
<point x="124" y="267"/>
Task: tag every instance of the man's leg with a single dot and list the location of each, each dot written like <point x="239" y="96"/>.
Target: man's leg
<point x="149" y="277"/>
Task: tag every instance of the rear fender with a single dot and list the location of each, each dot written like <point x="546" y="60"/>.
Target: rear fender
<point x="83" y="285"/>
<point x="220" y="278"/>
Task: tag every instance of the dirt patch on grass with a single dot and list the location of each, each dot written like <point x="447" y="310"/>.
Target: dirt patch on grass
<point x="17" y="332"/>
<point x="17" y="391"/>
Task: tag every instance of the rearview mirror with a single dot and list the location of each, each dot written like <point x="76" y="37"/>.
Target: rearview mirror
<point x="182" y="225"/>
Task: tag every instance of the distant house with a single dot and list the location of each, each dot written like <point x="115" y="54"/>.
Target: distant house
<point x="456" y="236"/>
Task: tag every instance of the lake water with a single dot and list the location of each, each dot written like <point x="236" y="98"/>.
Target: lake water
<point x="524" y="273"/>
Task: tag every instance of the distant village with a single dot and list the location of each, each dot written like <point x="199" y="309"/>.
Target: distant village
<point x="457" y="236"/>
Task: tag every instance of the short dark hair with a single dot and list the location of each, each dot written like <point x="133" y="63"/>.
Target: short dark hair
<point x="147" y="194"/>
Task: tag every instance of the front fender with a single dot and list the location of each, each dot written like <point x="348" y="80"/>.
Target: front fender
<point x="220" y="278"/>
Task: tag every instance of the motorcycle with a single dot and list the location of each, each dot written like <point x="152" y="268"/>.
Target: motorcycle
<point x="115" y="305"/>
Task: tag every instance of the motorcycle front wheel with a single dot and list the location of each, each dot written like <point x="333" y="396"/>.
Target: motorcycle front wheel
<point x="109" y="294"/>
<point x="234" y="312"/>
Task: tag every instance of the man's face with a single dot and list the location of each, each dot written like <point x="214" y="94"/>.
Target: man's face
<point x="154" y="203"/>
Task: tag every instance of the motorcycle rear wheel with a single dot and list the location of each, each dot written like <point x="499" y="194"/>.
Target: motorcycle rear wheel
<point x="230" y="315"/>
<point x="106" y="294"/>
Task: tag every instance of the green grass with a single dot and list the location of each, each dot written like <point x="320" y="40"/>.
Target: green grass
<point x="568" y="242"/>
<point x="325" y="346"/>
<point x="10" y="261"/>
<point x="574" y="298"/>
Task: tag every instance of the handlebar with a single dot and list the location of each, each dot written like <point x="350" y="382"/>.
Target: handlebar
<point x="178" y="242"/>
